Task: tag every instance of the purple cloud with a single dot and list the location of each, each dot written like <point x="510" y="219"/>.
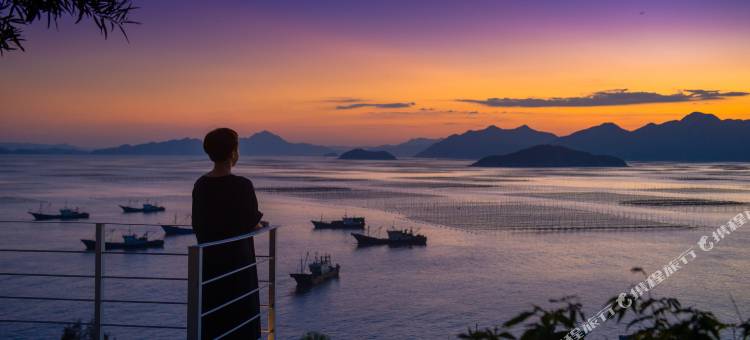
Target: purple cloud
<point x="607" y="98"/>
<point x="375" y="105"/>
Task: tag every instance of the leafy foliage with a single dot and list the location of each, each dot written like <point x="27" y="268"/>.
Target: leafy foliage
<point x="651" y="318"/>
<point x="540" y="323"/>
<point x="315" y="336"/>
<point x="79" y="331"/>
<point x="666" y="318"/>
<point x="108" y="15"/>
<point x="745" y="328"/>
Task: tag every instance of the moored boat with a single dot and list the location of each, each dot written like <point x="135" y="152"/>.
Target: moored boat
<point x="363" y="239"/>
<point x="321" y="269"/>
<point x="65" y="214"/>
<point x="129" y="241"/>
<point x="396" y="237"/>
<point x="146" y="208"/>
<point x="344" y="223"/>
<point x="175" y="230"/>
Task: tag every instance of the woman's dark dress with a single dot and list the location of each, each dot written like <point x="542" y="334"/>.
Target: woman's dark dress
<point x="225" y="207"/>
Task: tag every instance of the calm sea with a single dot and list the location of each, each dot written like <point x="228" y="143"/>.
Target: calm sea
<point x="499" y="240"/>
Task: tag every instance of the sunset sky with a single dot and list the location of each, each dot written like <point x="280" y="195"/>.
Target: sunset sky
<point x="373" y="72"/>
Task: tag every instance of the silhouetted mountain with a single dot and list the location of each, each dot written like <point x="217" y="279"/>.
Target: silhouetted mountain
<point x="367" y="155"/>
<point x="550" y="156"/>
<point x="35" y="146"/>
<point x="40" y="151"/>
<point x="409" y="148"/>
<point x="268" y="144"/>
<point x="698" y="137"/>
<point x="490" y="141"/>
<point x="601" y="139"/>
<point x="185" y="146"/>
<point x="260" y="144"/>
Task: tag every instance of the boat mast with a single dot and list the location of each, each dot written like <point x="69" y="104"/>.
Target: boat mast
<point x="306" y="256"/>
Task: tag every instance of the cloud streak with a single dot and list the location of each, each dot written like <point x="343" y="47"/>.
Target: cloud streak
<point x="342" y="100"/>
<point x="608" y="98"/>
<point x="421" y="113"/>
<point x="374" y="105"/>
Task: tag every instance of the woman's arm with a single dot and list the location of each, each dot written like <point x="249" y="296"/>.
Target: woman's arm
<point x="251" y="215"/>
<point x="196" y="216"/>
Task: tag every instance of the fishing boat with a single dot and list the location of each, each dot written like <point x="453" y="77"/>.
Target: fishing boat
<point x="321" y="269"/>
<point x="396" y="237"/>
<point x="146" y="208"/>
<point x="129" y="241"/>
<point x="170" y="230"/>
<point x="344" y="223"/>
<point x="65" y="214"/>
<point x="175" y="229"/>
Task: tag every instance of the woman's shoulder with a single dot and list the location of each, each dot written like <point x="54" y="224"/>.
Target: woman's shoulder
<point x="233" y="179"/>
<point x="243" y="180"/>
<point x="201" y="180"/>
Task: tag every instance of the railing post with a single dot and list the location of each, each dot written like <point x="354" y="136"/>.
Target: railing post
<point x="272" y="284"/>
<point x="98" y="271"/>
<point x="195" y="279"/>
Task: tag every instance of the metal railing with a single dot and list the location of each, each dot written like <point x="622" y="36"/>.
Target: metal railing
<point x="194" y="280"/>
<point x="196" y="283"/>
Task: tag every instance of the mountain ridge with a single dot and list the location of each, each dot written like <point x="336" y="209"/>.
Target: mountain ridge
<point x="263" y="143"/>
<point x="409" y="148"/>
<point x="492" y="140"/>
<point x="696" y="137"/>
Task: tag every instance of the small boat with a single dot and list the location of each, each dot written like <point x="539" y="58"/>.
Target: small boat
<point x="396" y="237"/>
<point x="321" y="269"/>
<point x="174" y="229"/>
<point x="129" y="241"/>
<point x="146" y="208"/>
<point x="343" y="223"/>
<point x="65" y="214"/>
<point x="170" y="230"/>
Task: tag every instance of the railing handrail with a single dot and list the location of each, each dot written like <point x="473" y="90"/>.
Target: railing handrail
<point x="96" y="222"/>
<point x="253" y="233"/>
<point x="99" y="275"/>
<point x="196" y="283"/>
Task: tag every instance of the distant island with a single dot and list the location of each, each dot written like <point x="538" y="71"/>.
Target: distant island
<point x="362" y="154"/>
<point x="543" y="156"/>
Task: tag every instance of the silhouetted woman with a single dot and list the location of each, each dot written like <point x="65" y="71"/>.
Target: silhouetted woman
<point x="224" y="206"/>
